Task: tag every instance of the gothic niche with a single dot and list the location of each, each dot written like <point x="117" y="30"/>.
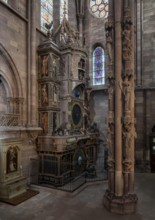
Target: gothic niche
<point x="81" y="69"/>
<point x="11" y="160"/>
<point x="44" y="66"/>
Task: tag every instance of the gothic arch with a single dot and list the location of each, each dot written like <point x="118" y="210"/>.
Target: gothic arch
<point x="10" y="84"/>
<point x="9" y="74"/>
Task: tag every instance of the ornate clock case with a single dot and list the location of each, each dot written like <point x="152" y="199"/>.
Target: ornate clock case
<point x="65" y="146"/>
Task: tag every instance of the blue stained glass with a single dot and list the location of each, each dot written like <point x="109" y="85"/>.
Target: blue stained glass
<point x="98" y="66"/>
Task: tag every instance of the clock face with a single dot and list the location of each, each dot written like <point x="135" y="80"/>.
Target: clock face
<point x="76" y="114"/>
<point x="76" y="92"/>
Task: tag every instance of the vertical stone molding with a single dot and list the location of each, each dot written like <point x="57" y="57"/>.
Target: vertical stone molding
<point x="120" y="197"/>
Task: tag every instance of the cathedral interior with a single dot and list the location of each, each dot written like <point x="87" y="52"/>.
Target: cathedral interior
<point x="77" y="107"/>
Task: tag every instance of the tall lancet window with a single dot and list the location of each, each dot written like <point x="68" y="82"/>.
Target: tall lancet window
<point x="99" y="8"/>
<point x="98" y="66"/>
<point x="63" y="9"/>
<point x="46" y="13"/>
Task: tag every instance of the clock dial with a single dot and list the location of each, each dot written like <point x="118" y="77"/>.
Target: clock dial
<point x="76" y="114"/>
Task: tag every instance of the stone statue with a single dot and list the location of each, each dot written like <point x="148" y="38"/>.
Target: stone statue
<point x="109" y="40"/>
<point x="44" y="122"/>
<point x="109" y="142"/>
<point x="127" y="136"/>
<point x="127" y="46"/>
<point x="126" y="90"/>
<point x="127" y="94"/>
<point x="109" y="45"/>
<point x="55" y="95"/>
<point x="12" y="159"/>
<point x="44" y="95"/>
<point x="45" y="66"/>
<point x="110" y="96"/>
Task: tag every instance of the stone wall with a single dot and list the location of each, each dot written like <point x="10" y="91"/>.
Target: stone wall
<point x="94" y="35"/>
<point x="15" y="59"/>
<point x="145" y="81"/>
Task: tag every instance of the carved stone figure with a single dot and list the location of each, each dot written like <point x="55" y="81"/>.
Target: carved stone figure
<point x="109" y="142"/>
<point x="109" y="45"/>
<point x="12" y="159"/>
<point x="55" y="95"/>
<point x="110" y="96"/>
<point x="109" y="40"/>
<point x="45" y="66"/>
<point x="110" y="76"/>
<point x="127" y="94"/>
<point x="127" y="46"/>
<point x="127" y="137"/>
<point x="44" y="122"/>
<point x="44" y="95"/>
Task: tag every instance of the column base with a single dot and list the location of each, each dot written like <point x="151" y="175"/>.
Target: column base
<point x="120" y="204"/>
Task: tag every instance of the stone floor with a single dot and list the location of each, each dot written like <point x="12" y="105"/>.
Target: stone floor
<point x="51" y="204"/>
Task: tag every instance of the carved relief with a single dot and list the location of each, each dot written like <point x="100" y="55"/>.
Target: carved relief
<point x="126" y="35"/>
<point x="127" y="165"/>
<point x="128" y="73"/>
<point x="9" y="120"/>
<point x="111" y="165"/>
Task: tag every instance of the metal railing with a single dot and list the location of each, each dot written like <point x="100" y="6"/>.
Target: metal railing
<point x="67" y="176"/>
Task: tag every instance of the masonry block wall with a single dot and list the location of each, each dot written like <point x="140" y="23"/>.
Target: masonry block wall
<point x="145" y="81"/>
<point x="94" y="35"/>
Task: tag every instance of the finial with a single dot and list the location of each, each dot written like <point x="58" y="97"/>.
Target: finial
<point x="65" y="9"/>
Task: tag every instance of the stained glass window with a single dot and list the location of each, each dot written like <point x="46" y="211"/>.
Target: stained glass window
<point x="63" y="6"/>
<point x="98" y="66"/>
<point x="46" y="13"/>
<point x="99" y="8"/>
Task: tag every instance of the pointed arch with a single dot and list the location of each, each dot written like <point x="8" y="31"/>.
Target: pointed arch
<point x="98" y="66"/>
<point x="9" y="74"/>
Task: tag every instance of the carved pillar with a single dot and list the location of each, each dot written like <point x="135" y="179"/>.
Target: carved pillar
<point x="121" y="198"/>
<point x="109" y="27"/>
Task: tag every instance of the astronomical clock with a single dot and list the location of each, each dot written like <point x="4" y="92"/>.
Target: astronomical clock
<point x="66" y="146"/>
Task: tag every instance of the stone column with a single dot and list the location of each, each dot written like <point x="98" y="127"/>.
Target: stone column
<point x="121" y="198"/>
<point x="33" y="78"/>
<point x="109" y="27"/>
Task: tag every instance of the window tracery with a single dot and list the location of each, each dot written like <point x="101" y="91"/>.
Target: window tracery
<point x="98" y="66"/>
<point x="46" y="13"/>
